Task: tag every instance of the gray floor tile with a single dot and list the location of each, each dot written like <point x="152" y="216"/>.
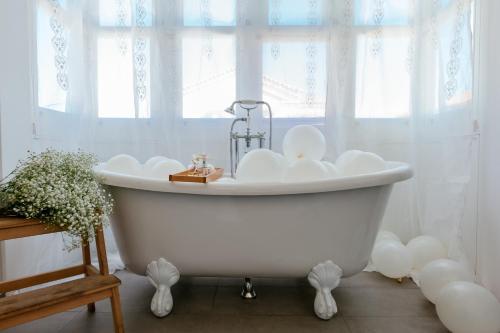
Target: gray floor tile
<point x="193" y="299"/>
<point x="49" y="324"/>
<point x="135" y="294"/>
<point x="285" y="324"/>
<point x="395" y="325"/>
<point x="84" y="322"/>
<point x="383" y="302"/>
<point x="270" y="301"/>
<point x="257" y="282"/>
<point x="179" y="323"/>
<point x="198" y="281"/>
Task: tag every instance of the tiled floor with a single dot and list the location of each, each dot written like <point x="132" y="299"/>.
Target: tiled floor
<point x="367" y="303"/>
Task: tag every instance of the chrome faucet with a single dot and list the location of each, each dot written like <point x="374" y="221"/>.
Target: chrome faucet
<point x="248" y="136"/>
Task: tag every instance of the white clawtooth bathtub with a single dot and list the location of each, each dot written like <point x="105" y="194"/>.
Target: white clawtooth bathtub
<point x="324" y="230"/>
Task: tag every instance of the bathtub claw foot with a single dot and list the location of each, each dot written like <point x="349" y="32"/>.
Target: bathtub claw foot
<point x="162" y="276"/>
<point x="325" y="277"/>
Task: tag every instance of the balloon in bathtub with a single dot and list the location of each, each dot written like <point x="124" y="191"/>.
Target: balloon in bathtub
<point x="306" y="170"/>
<point x="333" y="171"/>
<point x="356" y="162"/>
<point x="125" y="164"/>
<point x="304" y="142"/>
<point x="149" y="165"/>
<point x="260" y="165"/>
<point x="164" y="168"/>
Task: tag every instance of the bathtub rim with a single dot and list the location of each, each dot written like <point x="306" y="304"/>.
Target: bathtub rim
<point x="395" y="172"/>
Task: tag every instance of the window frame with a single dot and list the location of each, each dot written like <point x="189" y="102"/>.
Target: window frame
<point x="41" y="110"/>
<point x="367" y="29"/>
<point x="93" y="40"/>
<point x="254" y="31"/>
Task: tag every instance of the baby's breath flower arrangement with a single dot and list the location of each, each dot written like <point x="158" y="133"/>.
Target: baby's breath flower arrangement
<point x="60" y="189"/>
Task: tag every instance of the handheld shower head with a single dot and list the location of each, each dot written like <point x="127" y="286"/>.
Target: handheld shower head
<point x="247" y="104"/>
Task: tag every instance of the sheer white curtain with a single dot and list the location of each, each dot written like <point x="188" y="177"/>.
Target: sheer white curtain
<point x="400" y="85"/>
<point x="149" y="77"/>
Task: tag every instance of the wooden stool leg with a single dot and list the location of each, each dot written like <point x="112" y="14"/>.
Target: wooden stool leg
<point x="87" y="261"/>
<point x="101" y="252"/>
<point x="117" y="310"/>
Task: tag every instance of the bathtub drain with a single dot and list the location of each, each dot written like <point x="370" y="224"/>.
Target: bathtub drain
<point x="247" y="291"/>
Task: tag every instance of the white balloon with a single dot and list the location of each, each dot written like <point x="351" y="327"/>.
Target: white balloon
<point x="283" y="160"/>
<point x="123" y="163"/>
<point x="425" y="249"/>
<point x="304" y="142"/>
<point x="392" y="259"/>
<point x="163" y="169"/>
<point x="305" y="170"/>
<point x="386" y="235"/>
<point x="438" y="273"/>
<point x="355" y="162"/>
<point x="152" y="161"/>
<point x="347" y="156"/>
<point x="465" y="307"/>
<point x="260" y="165"/>
<point x="332" y="169"/>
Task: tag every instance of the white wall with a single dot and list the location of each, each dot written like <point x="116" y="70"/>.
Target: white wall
<point x="489" y="103"/>
<point x="15" y="83"/>
<point x="15" y="115"/>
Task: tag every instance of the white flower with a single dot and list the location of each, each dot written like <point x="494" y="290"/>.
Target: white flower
<point x="60" y="189"/>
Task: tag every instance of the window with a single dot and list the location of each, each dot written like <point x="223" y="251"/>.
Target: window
<point x="294" y="59"/>
<point x="456" y="41"/>
<point x="123" y="59"/>
<point x="208" y="76"/>
<point x="215" y="13"/>
<point x="115" y="76"/>
<point x="382" y="81"/>
<point x="297" y="93"/>
<point x="208" y="58"/>
<point x="274" y="50"/>
<point x="218" y="55"/>
<point x="52" y="83"/>
<point x="394" y="12"/>
<point x="270" y="41"/>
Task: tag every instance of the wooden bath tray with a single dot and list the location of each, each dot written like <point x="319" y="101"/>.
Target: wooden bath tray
<point x="186" y="176"/>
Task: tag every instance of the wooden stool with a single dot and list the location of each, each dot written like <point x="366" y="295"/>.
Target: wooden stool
<point x="94" y="286"/>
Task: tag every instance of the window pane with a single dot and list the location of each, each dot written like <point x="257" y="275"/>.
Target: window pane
<point x="294" y="81"/>
<point x="386" y="12"/>
<point x="50" y="93"/>
<point x="382" y="80"/>
<point x="125" y="12"/>
<point x="209" y="13"/>
<point x="455" y="58"/>
<point x="295" y="12"/>
<point x="115" y="79"/>
<point x="208" y="76"/>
